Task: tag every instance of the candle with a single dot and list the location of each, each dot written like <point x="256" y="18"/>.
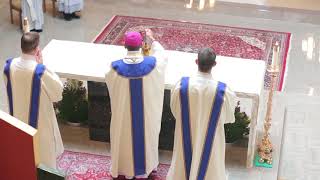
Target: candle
<point x="275" y="57"/>
<point x="26" y="25"/>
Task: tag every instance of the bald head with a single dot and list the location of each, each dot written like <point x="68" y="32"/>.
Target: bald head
<point x="206" y="60"/>
<point x="29" y="42"/>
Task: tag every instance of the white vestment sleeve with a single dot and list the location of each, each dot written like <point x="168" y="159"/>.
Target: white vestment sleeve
<point x="52" y="85"/>
<point x="230" y="104"/>
<point x="175" y="98"/>
<point x="159" y="53"/>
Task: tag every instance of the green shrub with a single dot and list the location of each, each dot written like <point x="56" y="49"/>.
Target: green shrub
<point x="74" y="105"/>
<point x="240" y="128"/>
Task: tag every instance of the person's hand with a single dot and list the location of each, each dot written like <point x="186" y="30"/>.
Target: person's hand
<point x="149" y="34"/>
<point x="39" y="56"/>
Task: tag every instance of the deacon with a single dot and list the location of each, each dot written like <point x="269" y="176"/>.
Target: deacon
<point x="31" y="90"/>
<point x="201" y="106"/>
<point x="69" y="8"/>
<point x="136" y="87"/>
<point x="32" y="9"/>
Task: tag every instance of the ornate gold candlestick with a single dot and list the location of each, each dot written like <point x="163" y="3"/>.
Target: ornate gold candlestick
<point x="146" y="45"/>
<point x="265" y="148"/>
<point x="146" y="49"/>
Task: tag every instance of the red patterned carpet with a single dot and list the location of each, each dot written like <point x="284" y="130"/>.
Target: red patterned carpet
<point x="83" y="166"/>
<point x="190" y="37"/>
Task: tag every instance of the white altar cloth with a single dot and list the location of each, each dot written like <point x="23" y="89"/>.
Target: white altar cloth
<point x="89" y="62"/>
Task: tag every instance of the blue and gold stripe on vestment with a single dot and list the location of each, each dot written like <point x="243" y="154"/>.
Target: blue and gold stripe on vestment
<point x="186" y="125"/>
<point x="211" y="130"/>
<point x="35" y="95"/>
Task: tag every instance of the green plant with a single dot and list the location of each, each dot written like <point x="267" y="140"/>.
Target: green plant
<point x="240" y="128"/>
<point x="74" y="105"/>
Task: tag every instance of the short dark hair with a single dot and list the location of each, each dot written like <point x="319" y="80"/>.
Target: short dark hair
<point x="132" y="48"/>
<point x="206" y="59"/>
<point x="29" y="41"/>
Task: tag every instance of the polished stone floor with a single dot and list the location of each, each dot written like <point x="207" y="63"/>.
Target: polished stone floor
<point x="296" y="4"/>
<point x="304" y="56"/>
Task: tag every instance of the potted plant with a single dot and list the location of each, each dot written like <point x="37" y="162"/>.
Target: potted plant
<point x="239" y="129"/>
<point x="73" y="108"/>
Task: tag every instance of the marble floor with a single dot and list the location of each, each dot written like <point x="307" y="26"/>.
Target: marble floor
<point x="296" y="4"/>
<point x="304" y="56"/>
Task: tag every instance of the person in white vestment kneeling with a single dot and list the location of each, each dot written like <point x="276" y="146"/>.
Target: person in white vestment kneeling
<point x="32" y="88"/>
<point x="70" y="8"/>
<point x="136" y="89"/>
<point x="32" y="9"/>
<point x="201" y="106"/>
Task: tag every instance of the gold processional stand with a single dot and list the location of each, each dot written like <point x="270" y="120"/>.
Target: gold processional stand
<point x="265" y="148"/>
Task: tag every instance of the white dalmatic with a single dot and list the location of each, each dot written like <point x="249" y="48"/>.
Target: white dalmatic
<point x="136" y="88"/>
<point x="32" y="9"/>
<point x="70" y="6"/>
<point x="31" y="89"/>
<point x="201" y="107"/>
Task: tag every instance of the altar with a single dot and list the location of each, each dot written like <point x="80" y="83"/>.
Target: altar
<point x="89" y="62"/>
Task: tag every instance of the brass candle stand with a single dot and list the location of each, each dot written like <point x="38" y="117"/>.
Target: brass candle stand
<point x="265" y="148"/>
